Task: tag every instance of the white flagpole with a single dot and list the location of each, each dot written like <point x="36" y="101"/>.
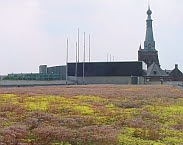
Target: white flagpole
<point x="89" y="48"/>
<point x="78" y="44"/>
<point x="67" y="60"/>
<point x="76" y="70"/>
<point x="84" y="61"/>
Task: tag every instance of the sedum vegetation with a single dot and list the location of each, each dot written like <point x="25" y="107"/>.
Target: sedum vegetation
<point x="91" y="115"/>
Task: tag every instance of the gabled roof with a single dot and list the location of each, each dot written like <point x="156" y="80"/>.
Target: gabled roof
<point x="168" y="71"/>
<point x="155" y="70"/>
<point x="176" y="72"/>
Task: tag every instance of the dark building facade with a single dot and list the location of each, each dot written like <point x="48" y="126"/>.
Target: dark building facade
<point x="107" y="72"/>
<point x="149" y="54"/>
<point x="176" y="74"/>
<point x="135" y="68"/>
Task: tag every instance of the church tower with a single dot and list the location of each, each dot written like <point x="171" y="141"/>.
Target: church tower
<point x="149" y="54"/>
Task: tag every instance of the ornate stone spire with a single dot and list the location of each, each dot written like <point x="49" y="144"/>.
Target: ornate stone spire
<point x="149" y="54"/>
<point x="149" y="43"/>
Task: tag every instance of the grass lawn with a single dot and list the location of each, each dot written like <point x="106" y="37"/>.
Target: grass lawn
<point x="91" y="115"/>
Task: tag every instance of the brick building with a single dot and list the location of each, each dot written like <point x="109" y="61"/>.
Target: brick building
<point x="176" y="74"/>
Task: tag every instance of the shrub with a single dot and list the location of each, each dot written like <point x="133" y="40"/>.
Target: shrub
<point x="14" y="134"/>
<point x="97" y="135"/>
<point x="44" y="117"/>
<point x="129" y="104"/>
<point x="178" y="126"/>
<point x="47" y="134"/>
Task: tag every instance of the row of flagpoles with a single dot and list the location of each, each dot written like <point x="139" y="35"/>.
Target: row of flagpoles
<point x="77" y="56"/>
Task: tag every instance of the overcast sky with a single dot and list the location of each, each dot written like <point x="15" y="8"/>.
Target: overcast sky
<point x="34" y="32"/>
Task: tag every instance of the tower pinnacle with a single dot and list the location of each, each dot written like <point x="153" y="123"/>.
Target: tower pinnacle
<point x="149" y="43"/>
<point x="140" y="47"/>
<point x="149" y="12"/>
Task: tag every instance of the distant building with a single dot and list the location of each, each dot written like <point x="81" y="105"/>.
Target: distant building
<point x="176" y="74"/>
<point x="45" y="74"/>
<point x="33" y="76"/>
<point x="108" y="72"/>
<point x="54" y="70"/>
<point x="155" y="73"/>
<point x="43" y="69"/>
<point x="149" y="54"/>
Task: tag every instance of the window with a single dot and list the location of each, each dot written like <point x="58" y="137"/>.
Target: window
<point x="154" y="72"/>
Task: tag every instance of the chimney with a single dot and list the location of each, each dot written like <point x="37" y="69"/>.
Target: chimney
<point x="176" y="66"/>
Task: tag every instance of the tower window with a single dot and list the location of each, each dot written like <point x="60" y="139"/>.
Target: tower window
<point x="155" y="72"/>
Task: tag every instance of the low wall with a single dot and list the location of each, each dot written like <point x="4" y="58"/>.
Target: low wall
<point x="106" y="80"/>
<point x="178" y="83"/>
<point x="4" y="83"/>
<point x="175" y="83"/>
